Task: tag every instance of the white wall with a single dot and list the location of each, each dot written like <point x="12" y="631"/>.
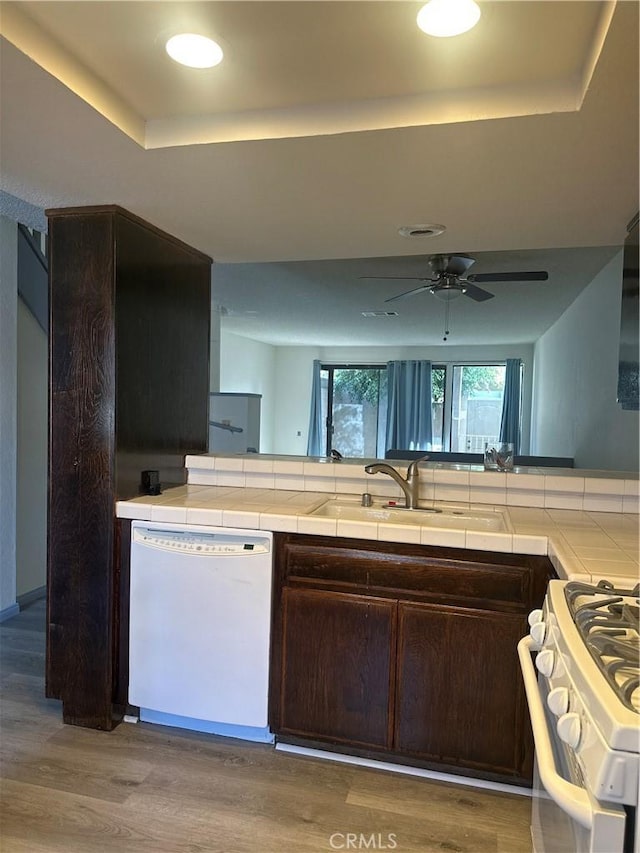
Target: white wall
<point x="31" y="488"/>
<point x="8" y="417"/>
<point x="214" y="344"/>
<point x="294" y="373"/>
<point x="575" y="412"/>
<point x="248" y="367"/>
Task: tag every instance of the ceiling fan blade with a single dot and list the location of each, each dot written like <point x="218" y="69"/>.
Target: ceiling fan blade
<point x="477" y="293"/>
<point x="539" y="275"/>
<point x="409" y="292"/>
<point x="398" y="277"/>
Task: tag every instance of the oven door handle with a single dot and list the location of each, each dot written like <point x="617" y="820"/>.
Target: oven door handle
<point x="570" y="798"/>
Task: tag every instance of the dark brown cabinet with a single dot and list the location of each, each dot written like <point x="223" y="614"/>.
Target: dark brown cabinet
<point x="128" y="391"/>
<point x="337" y="674"/>
<point x="405" y="652"/>
<point x="458" y="696"/>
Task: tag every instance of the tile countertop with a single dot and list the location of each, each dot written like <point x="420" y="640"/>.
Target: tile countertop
<point x="582" y="545"/>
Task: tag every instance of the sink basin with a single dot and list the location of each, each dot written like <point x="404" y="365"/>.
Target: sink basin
<point x="448" y="516"/>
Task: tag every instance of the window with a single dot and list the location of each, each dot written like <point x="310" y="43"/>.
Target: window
<point x="466" y="407"/>
<point x="476" y="406"/>
<point x="354" y="408"/>
<point x="438" y="380"/>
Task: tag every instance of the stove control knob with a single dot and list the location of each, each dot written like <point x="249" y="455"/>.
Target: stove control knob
<point x="558" y="701"/>
<point x="545" y="662"/>
<point x="534" y="617"/>
<point x="538" y="632"/>
<point x="570" y="729"/>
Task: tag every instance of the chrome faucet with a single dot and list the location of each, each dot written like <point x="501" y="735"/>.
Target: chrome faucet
<point x="410" y="486"/>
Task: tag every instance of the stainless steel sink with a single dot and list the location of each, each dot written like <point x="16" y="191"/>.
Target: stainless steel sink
<point x="444" y="516"/>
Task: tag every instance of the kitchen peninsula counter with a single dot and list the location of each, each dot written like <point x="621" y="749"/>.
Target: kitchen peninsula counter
<point x="370" y="606"/>
<point x="253" y="492"/>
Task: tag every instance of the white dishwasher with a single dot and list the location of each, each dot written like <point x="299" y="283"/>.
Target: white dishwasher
<point x="200" y="617"/>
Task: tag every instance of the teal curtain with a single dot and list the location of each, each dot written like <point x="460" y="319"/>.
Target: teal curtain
<point x="510" y="420"/>
<point x="409" y="418"/>
<point x="315" y="442"/>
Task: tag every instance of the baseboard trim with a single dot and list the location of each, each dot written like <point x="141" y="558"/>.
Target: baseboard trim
<point x="8" y="612"/>
<point x="403" y="768"/>
<point x="28" y="598"/>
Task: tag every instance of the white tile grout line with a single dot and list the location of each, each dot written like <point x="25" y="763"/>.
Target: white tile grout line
<point x="402" y="768"/>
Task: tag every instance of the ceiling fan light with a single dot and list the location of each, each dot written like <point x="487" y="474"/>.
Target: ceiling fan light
<point x="446" y="294"/>
<point x="444" y="18"/>
<point x="194" y="51"/>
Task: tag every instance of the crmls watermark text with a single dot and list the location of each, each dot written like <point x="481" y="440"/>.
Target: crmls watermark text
<point x="362" y="841"/>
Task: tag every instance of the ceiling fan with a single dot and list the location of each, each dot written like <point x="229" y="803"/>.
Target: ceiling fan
<point x="448" y="280"/>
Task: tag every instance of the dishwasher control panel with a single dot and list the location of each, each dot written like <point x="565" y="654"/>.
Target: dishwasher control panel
<point x="203" y="544"/>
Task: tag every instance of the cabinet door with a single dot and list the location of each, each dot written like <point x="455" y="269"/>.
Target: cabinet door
<point x="337" y="667"/>
<point x="459" y="695"/>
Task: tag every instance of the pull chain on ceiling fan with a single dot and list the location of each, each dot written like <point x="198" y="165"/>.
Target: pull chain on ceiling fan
<point x="446" y="320"/>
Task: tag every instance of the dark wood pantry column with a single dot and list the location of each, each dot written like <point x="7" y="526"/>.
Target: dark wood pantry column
<point x="128" y="391"/>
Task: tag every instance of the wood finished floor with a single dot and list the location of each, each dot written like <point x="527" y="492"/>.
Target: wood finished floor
<point x="149" y="788"/>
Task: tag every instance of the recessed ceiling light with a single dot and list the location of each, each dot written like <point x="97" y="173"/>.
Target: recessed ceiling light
<point x="421" y="230"/>
<point x="444" y="18"/>
<point x="194" y="50"/>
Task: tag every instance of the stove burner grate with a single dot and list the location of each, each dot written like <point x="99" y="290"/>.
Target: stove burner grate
<point x="609" y="624"/>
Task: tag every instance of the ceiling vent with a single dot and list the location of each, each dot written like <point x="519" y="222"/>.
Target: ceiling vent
<point x="421" y="230"/>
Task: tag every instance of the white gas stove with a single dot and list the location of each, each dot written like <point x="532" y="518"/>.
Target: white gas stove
<point x="584" y="707"/>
